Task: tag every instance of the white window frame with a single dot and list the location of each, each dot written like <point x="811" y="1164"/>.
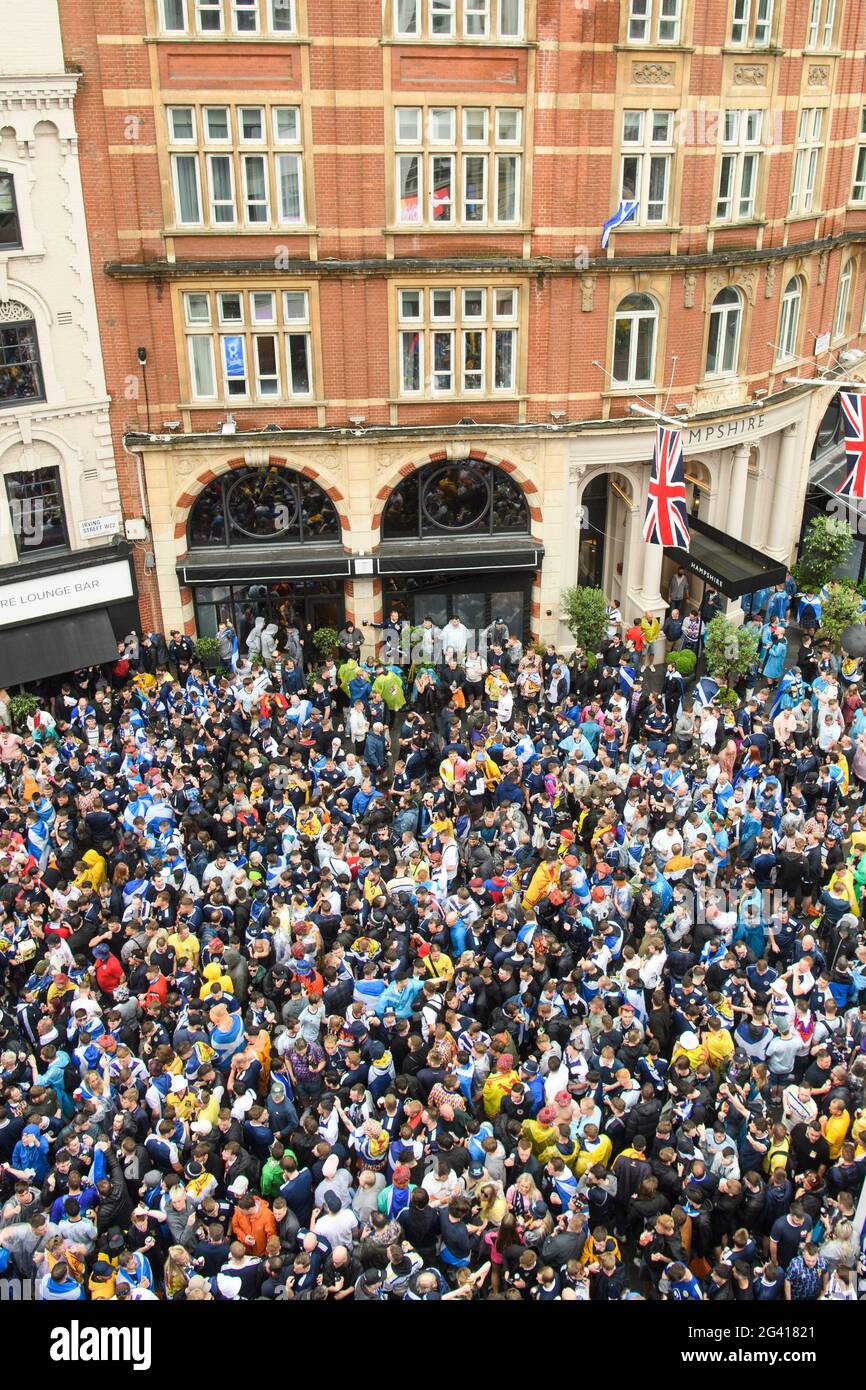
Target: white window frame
<point x="740" y="165"/>
<point x="272" y="7"/>
<point x="282" y="218"/>
<point x="165" y="28"/>
<point x="188" y="141"/>
<point x="844" y="297"/>
<point x="278" y="319"/>
<point x="858" y="187"/>
<point x="501" y="21"/>
<point x="258" y="202"/>
<point x="212" y="202"/>
<point x="789" y="320"/>
<point x="449" y="314"/>
<point x="822" y="26"/>
<point x="635" y="318"/>
<point x="657" y="22"/>
<point x="191" y="340"/>
<point x="210" y="7"/>
<point x="752" y="23"/>
<point x="424" y="135"/>
<point x="179" y="220"/>
<point x="244" y="8"/>
<point x="221" y="141"/>
<point x="807" y="161"/>
<point x="646" y="151"/>
<point x="723" y="313"/>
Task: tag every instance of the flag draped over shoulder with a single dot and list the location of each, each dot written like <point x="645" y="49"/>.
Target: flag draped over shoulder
<point x="666" y="521"/>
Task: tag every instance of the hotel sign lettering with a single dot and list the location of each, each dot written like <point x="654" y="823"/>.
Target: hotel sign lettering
<point x="726" y="431"/>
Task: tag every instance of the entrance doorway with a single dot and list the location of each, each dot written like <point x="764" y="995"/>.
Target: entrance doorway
<point x="478" y="600"/>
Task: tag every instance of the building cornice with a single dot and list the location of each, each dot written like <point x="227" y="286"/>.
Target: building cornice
<point x="164" y="270"/>
<point x="52" y="90"/>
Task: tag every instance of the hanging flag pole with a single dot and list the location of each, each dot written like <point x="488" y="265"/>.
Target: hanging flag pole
<point x="666" y="521"/>
<point x="624" y="213"/>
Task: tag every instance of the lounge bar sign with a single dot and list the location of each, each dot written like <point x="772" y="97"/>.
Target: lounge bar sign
<point x="67" y="592"/>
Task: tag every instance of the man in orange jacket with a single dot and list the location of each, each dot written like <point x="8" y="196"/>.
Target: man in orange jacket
<point x="253" y="1223"/>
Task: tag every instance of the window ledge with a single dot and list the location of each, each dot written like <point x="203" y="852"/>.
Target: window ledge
<point x="801" y="217"/>
<point x="450" y="398"/>
<point x="455" y="229"/>
<point x="646" y="388"/>
<point x="649" y="47"/>
<point x="282" y="39"/>
<point x="737" y="226"/>
<point x="749" y="50"/>
<point x="239" y="231"/>
<point x="627" y="229"/>
<point x="452" y="41"/>
<point x="238" y="403"/>
<point x="822" y="53"/>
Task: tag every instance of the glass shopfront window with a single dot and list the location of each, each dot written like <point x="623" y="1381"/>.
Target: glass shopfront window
<point x="290" y="603"/>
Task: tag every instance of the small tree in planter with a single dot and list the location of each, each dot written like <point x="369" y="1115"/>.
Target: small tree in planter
<point x="826" y="546"/>
<point x="206" y="652"/>
<point x="586" y="615"/>
<point x="840" y="607"/>
<point x="729" y="651"/>
<point x="21" y="707"/>
<point x="326" y="640"/>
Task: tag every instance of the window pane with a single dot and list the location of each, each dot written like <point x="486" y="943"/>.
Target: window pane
<point x="246" y="18"/>
<point x="36" y="510"/>
<point x="410" y="361"/>
<point x="10" y="234"/>
<point x="209" y="16"/>
<point x="252" y="123"/>
<point x="181" y="123"/>
<point x="407" y="187"/>
<point x="410" y="304"/>
<point x="263" y="307"/>
<point x="201" y="364"/>
<point x="442" y="351"/>
<point x="644" y="353"/>
<point x="267" y="375"/>
<point x="407" y="120"/>
<point x="476" y="15"/>
<point x="475" y="125"/>
<point x="473" y="304"/>
<point x="407" y="16"/>
<point x="216" y="123"/>
<point x="287" y="127"/>
<point x="622" y="335"/>
<point x="20" y="369"/>
<point x="173" y="18"/>
<point x="657" y="196"/>
<point x="441" y="16"/>
<point x="442" y="125"/>
<point x="732" y="324"/>
<point x="289" y="187"/>
<point x="222" y="194"/>
<point x="299" y="363"/>
<point x="505" y="304"/>
<point x="632" y="127"/>
<point x="234" y="364"/>
<point x="197" y="308"/>
<point x="475" y="187"/>
<point x="442" y="175"/>
<point x="296" y="307"/>
<point x="473" y="360"/>
<point x="442" y="304"/>
<point x="282" y="16"/>
<point x="231" y="310"/>
<point x="186" y="177"/>
<point x="509" y="19"/>
<point x="256" y="183"/>
<point x="504" y="363"/>
<point x="508" y="125"/>
<point x="506" y="188"/>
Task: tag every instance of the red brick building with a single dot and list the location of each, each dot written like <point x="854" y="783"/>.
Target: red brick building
<point x="388" y="359"/>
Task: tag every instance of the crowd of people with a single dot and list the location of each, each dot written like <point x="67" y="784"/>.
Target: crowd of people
<point x="497" y="974"/>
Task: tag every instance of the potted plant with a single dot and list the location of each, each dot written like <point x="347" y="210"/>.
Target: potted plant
<point x="840" y="607"/>
<point x="326" y="640"/>
<point x="585" y="611"/>
<point x="730" y="651"/>
<point x="684" y="662"/>
<point x="206" y="652"/>
<point x="21" y="707"/>
<point x="826" y="546"/>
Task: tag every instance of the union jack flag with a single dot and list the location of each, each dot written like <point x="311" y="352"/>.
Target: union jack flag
<point x="665" y="522"/>
<point x="854" y="485"/>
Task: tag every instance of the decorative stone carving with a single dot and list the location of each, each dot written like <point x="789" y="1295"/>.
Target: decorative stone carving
<point x="13" y="312"/>
<point x="750" y="75"/>
<point x="822" y="267"/>
<point x="770" y="281"/>
<point x="691" y="281"/>
<point x="819" y="75"/>
<point x="741" y="279"/>
<point x="652" y="74"/>
<point x="587" y="285"/>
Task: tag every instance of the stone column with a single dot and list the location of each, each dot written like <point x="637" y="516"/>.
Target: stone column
<point x="782" y="514"/>
<point x="737" y="491"/>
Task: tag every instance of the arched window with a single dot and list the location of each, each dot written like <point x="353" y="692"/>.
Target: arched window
<point x="843" y="301"/>
<point x="634" y="340"/>
<point x="262" y="506"/>
<point x="789" y="324"/>
<point x="20" y="367"/>
<point x="457" y="499"/>
<point x="723" y="343"/>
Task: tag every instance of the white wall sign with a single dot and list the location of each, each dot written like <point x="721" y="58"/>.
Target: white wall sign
<point x="822" y="344"/>
<point x="30" y="599"/>
<point x="98" y="526"/>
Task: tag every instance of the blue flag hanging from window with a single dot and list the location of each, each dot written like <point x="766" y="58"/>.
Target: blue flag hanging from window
<point x="233" y="354"/>
<point x="624" y="213"/>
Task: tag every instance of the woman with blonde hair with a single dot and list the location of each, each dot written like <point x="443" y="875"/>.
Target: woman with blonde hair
<point x="178" y="1272"/>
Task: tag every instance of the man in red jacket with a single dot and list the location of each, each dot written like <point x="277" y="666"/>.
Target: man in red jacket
<point x="109" y="971"/>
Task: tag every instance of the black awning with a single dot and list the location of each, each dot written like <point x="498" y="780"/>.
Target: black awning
<point x="52" y="648"/>
<point x="452" y="556"/>
<point x="729" y="565"/>
<point x="253" y="564"/>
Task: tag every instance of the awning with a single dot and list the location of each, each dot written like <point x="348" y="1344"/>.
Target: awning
<point x="457" y="556"/>
<point x="255" y="564"/>
<point x="52" y="648"/>
<point x="728" y="565"/>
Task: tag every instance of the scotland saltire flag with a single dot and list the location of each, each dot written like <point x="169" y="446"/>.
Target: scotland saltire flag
<point x="626" y="679"/>
<point x="790" y="688"/>
<point x="665" y="522"/>
<point x="624" y="213"/>
<point x="854" y="484"/>
<point x="235" y="657"/>
<point x="705" y="692"/>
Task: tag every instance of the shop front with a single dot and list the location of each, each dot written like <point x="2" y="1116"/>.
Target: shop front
<point x="64" y="613"/>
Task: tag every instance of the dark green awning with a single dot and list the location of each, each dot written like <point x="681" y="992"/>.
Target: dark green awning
<point x="36" y="650"/>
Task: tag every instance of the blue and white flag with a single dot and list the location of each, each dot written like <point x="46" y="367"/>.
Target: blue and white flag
<point x="789" y="691"/>
<point x="705" y="692"/>
<point x="624" y="213"/>
<point x="627" y="677"/>
<point x="235" y="656"/>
